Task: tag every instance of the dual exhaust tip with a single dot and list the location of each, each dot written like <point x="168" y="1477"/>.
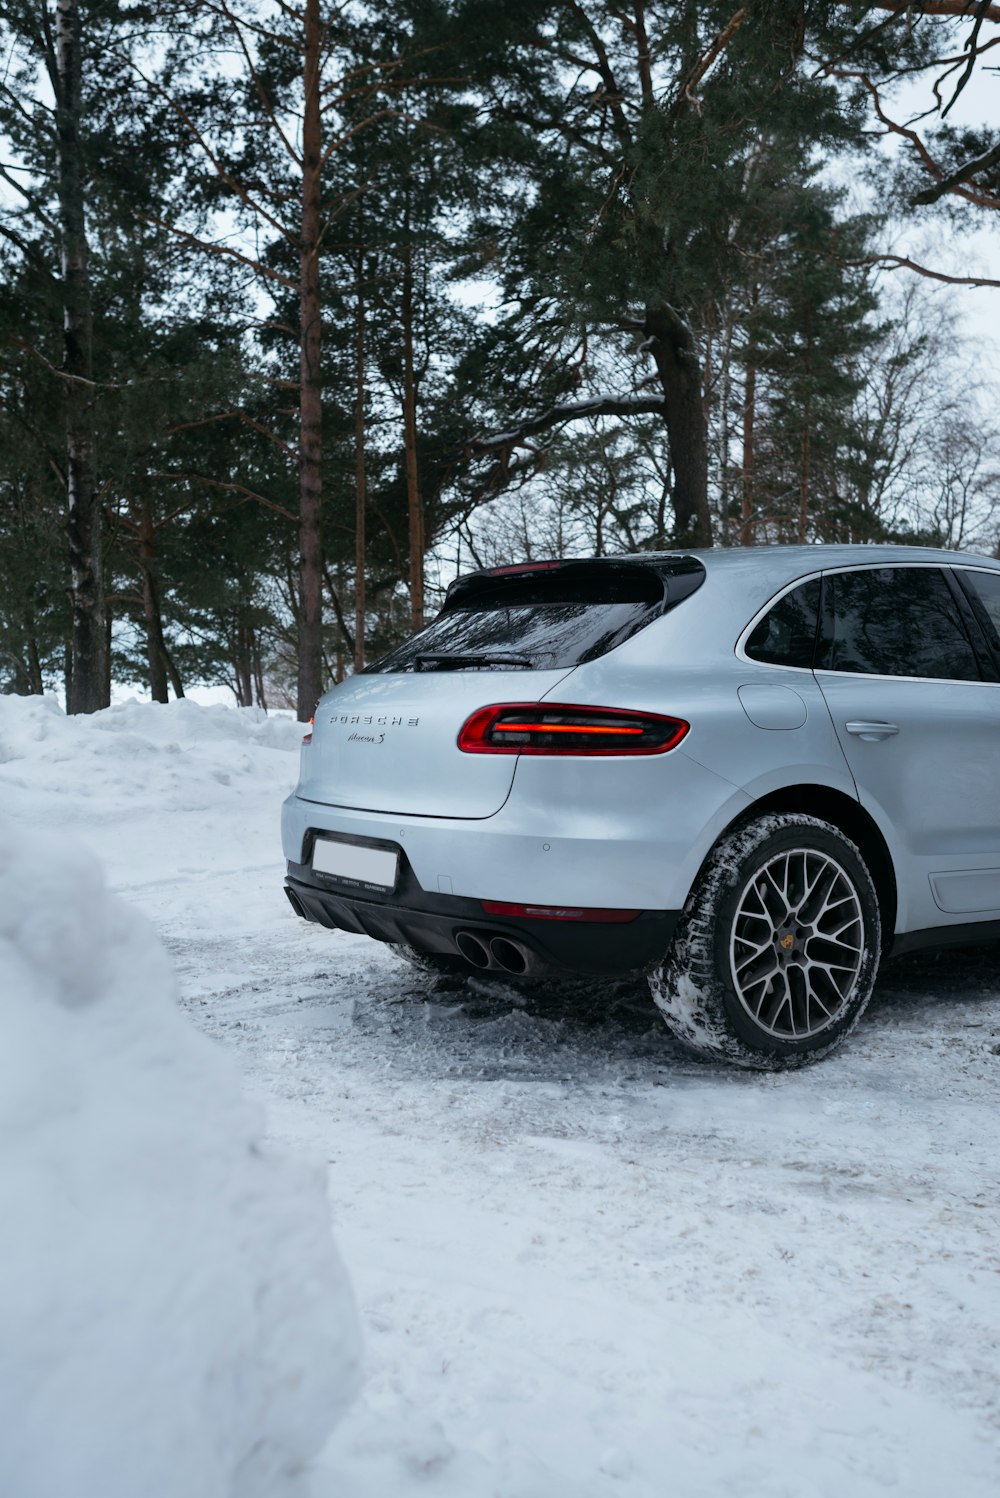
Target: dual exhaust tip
<point x="484" y="951"/>
<point x="480" y="950"/>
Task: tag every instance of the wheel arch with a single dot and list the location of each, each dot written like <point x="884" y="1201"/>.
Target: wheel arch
<point x="843" y="812"/>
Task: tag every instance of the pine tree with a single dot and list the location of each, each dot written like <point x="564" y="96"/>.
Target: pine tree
<point x="633" y="137"/>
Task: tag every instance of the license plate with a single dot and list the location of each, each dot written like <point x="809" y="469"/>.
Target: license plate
<point x="356" y="864"/>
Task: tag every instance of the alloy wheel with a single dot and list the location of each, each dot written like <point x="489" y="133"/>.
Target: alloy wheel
<point x="797" y="943"/>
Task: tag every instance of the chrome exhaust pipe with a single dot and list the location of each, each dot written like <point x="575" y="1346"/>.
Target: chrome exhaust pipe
<point x="472" y="949"/>
<point x="509" y="956"/>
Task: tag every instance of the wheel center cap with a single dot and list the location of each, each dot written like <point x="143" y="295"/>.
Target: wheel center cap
<point x="786" y="942"/>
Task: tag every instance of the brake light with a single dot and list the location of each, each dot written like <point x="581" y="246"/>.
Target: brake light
<point x="309" y="736"/>
<point x="559" y="912"/>
<point x="562" y="728"/>
<point x="523" y="567"/>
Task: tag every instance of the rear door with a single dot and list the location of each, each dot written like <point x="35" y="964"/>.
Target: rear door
<point x="388" y="743"/>
<point x="386" y="740"/>
<point x="905" y="675"/>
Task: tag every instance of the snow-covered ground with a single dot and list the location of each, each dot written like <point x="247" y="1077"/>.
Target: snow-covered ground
<point x="586" y="1266"/>
<point x="174" y="1316"/>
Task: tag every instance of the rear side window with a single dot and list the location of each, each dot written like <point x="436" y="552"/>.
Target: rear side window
<point x="554" y="618"/>
<point x="786" y="636"/>
<point x="897" y="621"/>
<point x="985" y="586"/>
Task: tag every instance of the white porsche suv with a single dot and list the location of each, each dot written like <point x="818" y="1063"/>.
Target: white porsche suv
<point x="744" y="773"/>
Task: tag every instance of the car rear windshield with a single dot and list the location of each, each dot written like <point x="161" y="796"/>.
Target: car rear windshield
<point x="545" y="619"/>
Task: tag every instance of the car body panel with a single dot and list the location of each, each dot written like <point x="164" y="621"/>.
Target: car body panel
<point x="723" y="739"/>
<point x="574" y="832"/>
<point x="935" y="781"/>
<point x="633" y="832"/>
<point x="389" y="743"/>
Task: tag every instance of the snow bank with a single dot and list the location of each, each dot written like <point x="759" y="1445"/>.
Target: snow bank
<point x="175" y="1319"/>
<point x="137" y="747"/>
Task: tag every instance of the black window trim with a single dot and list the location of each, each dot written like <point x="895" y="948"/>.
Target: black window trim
<point x="970" y="601"/>
<point x="986" y="658"/>
<point x="824" y="637"/>
<point x="763" y="611"/>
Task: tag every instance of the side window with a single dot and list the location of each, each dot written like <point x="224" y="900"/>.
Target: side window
<point x="898" y="621"/>
<point x="986" y="587"/>
<point x="786" y="636"/>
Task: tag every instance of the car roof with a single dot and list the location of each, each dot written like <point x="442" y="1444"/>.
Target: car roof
<point x="820" y="555"/>
<point x="777" y="565"/>
<point x="737" y="576"/>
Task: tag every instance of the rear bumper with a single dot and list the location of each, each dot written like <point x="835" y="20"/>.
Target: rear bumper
<point x="433" y="923"/>
<point x="592" y="833"/>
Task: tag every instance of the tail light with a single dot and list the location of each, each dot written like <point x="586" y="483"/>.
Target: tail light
<point x="560" y="912"/>
<point x="561" y="728"/>
<point x="308" y="738"/>
<point x="523" y="567"/>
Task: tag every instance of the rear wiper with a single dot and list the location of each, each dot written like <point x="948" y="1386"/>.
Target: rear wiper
<point x="428" y="661"/>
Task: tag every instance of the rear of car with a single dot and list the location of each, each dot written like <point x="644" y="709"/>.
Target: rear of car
<point x="742" y="772"/>
<point x="493" y="790"/>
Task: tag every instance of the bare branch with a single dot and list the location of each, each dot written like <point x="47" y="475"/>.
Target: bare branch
<point x="643" y="52"/>
<point x="380" y="114"/>
<point x="236" y="24"/>
<point x="29" y="197"/>
<point x="563" y="127"/>
<point x="17" y="103"/>
<point x="226" y="250"/>
<point x="173" y="514"/>
<point x="281" y="37"/>
<point x="903" y="262"/>
<point x="337" y="608"/>
<point x="972" y="195"/>
<point x="29" y="251"/>
<point x="956" y="178"/>
<point x="721" y="42"/>
<point x="72" y="379"/>
<point x="564" y="412"/>
<point x="958" y="8"/>
<point x="241" y="416"/>
<point x="228" y="488"/>
<point x="613" y="95"/>
<point x="200" y="140"/>
<point x="972" y="48"/>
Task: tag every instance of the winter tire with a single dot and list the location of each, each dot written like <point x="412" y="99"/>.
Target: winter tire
<point x="776" y="953"/>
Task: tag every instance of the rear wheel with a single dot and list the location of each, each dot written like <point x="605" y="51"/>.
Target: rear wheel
<point x="776" y="953"/>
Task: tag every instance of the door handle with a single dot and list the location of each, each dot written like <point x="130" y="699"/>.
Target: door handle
<point x="872" y="732"/>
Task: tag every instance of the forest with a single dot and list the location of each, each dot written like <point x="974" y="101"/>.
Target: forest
<point x="306" y="306"/>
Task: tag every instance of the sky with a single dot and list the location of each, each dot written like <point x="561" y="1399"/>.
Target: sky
<point x="938" y="246"/>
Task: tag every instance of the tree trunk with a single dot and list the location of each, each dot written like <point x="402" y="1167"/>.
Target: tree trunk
<point x="414" y="505"/>
<point x="36" y="685"/>
<point x="156" y="666"/>
<point x="804" y="480"/>
<point x="805" y="456"/>
<point x="359" y="478"/>
<point x="173" y="673"/>
<point x="749" y="418"/>
<point x="258" y="670"/>
<point x="310" y="654"/>
<point x="679" y="368"/>
<point x="88" y="688"/>
<point x="155" y="649"/>
<point x="241" y="665"/>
